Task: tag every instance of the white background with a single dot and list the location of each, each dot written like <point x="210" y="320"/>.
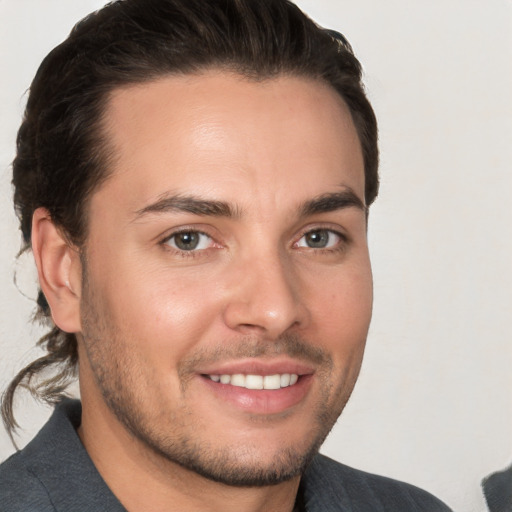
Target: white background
<point x="434" y="404"/>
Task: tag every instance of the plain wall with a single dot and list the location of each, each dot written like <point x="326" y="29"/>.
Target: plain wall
<point x="433" y="405"/>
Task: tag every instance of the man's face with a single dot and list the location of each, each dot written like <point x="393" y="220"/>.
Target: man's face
<point x="227" y="253"/>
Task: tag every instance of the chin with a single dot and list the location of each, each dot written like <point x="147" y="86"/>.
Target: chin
<point x="240" y="468"/>
<point x="268" y="456"/>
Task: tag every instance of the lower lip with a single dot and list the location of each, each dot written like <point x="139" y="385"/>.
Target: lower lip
<point x="264" y="401"/>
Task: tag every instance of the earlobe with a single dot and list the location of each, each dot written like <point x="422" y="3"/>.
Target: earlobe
<point x="59" y="269"/>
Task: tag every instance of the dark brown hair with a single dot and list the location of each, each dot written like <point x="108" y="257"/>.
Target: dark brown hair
<point x="62" y="156"/>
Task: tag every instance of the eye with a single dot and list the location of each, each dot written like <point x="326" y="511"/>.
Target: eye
<point x="319" y="239"/>
<point x="189" y="241"/>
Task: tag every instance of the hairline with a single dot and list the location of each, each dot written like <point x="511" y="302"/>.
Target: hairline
<point x="107" y="151"/>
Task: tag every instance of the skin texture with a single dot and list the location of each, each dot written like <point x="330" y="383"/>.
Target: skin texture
<point x="259" y="293"/>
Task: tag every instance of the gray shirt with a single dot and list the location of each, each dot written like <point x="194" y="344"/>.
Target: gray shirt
<point x="498" y="490"/>
<point x="54" y="473"/>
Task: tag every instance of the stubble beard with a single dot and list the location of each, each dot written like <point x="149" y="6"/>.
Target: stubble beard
<point x="230" y="465"/>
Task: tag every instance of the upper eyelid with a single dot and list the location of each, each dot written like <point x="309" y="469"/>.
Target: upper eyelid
<point x="165" y="243"/>
<point x="175" y="233"/>
<point x="341" y="244"/>
<point x="338" y="230"/>
<point x="184" y="229"/>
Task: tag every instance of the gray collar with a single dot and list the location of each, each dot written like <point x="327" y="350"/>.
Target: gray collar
<point x="57" y="458"/>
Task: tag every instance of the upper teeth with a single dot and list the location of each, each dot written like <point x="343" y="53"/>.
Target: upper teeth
<point x="257" y="381"/>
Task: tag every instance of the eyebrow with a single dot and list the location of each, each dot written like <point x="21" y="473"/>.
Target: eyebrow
<point x="333" y="201"/>
<point x="211" y="208"/>
<point x="189" y="204"/>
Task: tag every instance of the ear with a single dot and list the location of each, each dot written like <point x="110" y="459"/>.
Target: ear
<point x="59" y="269"/>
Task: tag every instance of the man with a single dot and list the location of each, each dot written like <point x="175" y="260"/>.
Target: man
<point x="194" y="178"/>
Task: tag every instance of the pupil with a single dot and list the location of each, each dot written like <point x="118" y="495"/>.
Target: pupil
<point x="317" y="239"/>
<point x="187" y="241"/>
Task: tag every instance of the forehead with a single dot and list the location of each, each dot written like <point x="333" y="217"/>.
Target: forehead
<point x="217" y="133"/>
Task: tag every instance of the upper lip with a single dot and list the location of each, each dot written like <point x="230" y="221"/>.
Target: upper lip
<point x="258" y="367"/>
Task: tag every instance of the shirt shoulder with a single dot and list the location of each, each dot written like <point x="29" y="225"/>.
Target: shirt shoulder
<point x="20" y="489"/>
<point x="329" y="486"/>
<point x="53" y="472"/>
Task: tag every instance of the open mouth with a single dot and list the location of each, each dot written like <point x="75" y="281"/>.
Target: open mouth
<point x="259" y="390"/>
<point x="277" y="381"/>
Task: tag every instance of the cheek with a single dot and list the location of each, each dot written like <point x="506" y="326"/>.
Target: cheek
<point x="343" y="311"/>
<point x="161" y="312"/>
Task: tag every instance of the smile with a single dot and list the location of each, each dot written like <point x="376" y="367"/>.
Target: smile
<point x="277" y="381"/>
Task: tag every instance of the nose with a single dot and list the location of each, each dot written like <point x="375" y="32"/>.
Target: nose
<point x="265" y="298"/>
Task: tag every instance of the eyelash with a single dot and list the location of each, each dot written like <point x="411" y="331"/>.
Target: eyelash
<point x="181" y="252"/>
<point x="339" y="246"/>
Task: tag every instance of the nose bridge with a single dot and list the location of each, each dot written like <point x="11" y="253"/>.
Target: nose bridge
<point x="265" y="294"/>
